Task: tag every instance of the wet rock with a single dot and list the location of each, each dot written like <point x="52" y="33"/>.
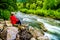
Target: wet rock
<point x="42" y="27"/>
<point x="35" y="32"/>
<point x="22" y="27"/>
<point x="39" y="25"/>
<point x="8" y="23"/>
<point x="43" y="38"/>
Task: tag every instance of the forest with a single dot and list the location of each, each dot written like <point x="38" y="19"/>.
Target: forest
<point x="45" y="8"/>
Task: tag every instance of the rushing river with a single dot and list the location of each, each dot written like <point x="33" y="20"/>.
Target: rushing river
<point x="53" y="26"/>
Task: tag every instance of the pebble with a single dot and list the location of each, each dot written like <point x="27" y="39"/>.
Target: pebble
<point x="33" y="38"/>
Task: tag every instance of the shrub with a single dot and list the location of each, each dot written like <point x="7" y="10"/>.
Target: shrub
<point x="27" y="5"/>
<point x="31" y="11"/>
<point x="58" y="10"/>
<point x="57" y="14"/>
<point x="33" y="6"/>
<point x="23" y="10"/>
<point x="5" y="14"/>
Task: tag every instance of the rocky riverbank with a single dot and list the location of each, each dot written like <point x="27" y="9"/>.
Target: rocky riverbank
<point x="23" y="32"/>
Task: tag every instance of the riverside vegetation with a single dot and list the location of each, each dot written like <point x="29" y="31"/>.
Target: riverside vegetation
<point x="47" y="8"/>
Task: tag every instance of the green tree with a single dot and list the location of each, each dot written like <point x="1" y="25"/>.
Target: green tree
<point x="6" y="6"/>
<point x="51" y="4"/>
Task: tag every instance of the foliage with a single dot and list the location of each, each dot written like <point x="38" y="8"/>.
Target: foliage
<point x="33" y="6"/>
<point x="6" y="6"/>
<point x="20" y="5"/>
<point x="23" y="10"/>
<point x="41" y="12"/>
<point x="5" y="14"/>
<point x="27" y="5"/>
<point x="52" y="4"/>
<point x="47" y="8"/>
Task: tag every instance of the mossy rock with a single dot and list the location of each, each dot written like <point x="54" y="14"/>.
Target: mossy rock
<point x="42" y="27"/>
<point x="38" y="25"/>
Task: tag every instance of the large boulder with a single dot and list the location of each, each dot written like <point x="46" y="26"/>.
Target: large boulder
<point x="35" y="32"/>
<point x="3" y="34"/>
<point x="25" y="35"/>
<point x="8" y="23"/>
<point x="22" y="32"/>
<point x="11" y="33"/>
